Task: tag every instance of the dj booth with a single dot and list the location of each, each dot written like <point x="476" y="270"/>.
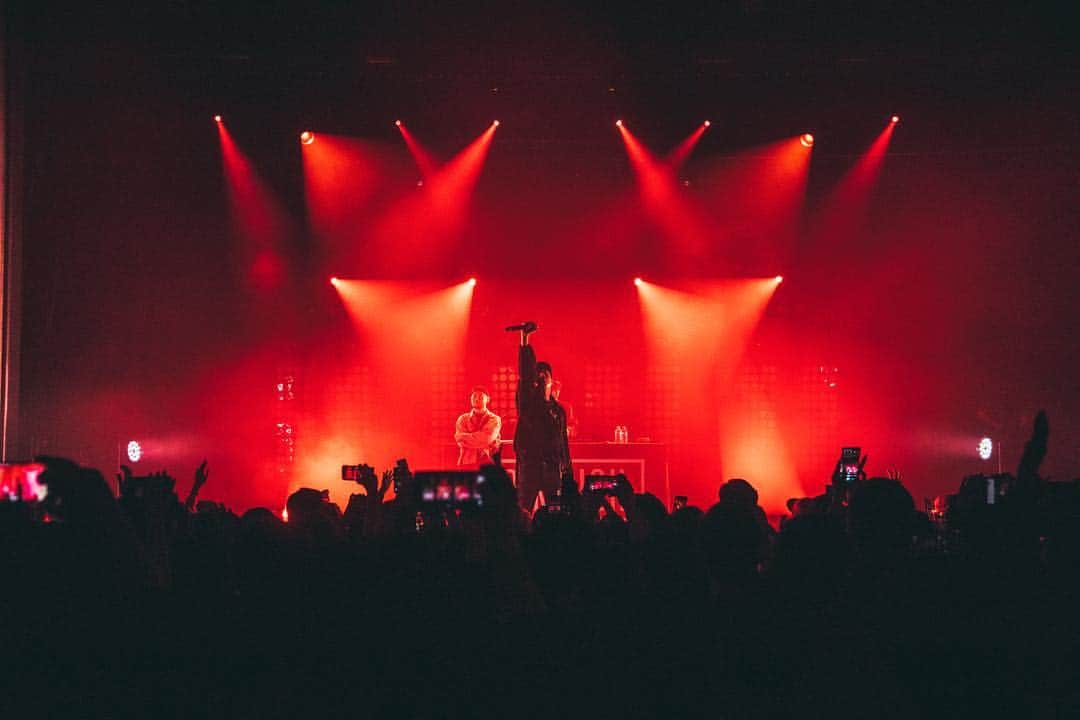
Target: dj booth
<point x="645" y="464"/>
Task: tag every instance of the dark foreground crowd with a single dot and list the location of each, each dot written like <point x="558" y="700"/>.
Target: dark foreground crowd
<point x="603" y="604"/>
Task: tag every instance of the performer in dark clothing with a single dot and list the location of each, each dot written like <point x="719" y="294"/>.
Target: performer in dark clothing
<point x="540" y="442"/>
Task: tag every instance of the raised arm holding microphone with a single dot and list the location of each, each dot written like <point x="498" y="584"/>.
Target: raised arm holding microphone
<point x="540" y="441"/>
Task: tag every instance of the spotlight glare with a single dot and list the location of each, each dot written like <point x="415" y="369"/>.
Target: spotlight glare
<point x="217" y="118"/>
<point x="397" y="123"/>
<point x="807" y="140"/>
<point x="618" y="123"/>
<point x="985" y="448"/>
<point x="472" y="282"/>
<point x="706" y="123"/>
<point x="638" y="282"/>
<point x="134" y="451"/>
<point x="895" y="119"/>
<point x="495" y="123"/>
<point x="307" y="137"/>
<point x="779" y="279"/>
<point x="334" y="280"/>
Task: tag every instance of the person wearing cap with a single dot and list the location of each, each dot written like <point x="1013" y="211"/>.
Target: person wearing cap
<point x="477" y="431"/>
<point x="541" y="446"/>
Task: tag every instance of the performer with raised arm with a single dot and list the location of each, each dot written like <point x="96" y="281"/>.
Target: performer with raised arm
<point x="540" y="442"/>
<point x="477" y="431"/>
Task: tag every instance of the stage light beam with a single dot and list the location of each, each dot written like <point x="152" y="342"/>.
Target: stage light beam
<point x="675" y="214"/>
<point x="258" y="215"/>
<point x="846" y="211"/>
<point x="425" y="161"/>
<point x="681" y="152"/>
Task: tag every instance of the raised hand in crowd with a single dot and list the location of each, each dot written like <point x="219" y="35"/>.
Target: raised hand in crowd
<point x="201" y="476"/>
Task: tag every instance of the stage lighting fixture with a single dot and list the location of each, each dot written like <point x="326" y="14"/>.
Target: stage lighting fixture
<point x="333" y="281"/>
<point x="472" y="282"/>
<point x="807" y="140"/>
<point x="397" y="123"/>
<point x="495" y="123"/>
<point x="307" y="137"/>
<point x="134" y="451"/>
<point x="638" y="282"/>
<point x="779" y="279"/>
<point x="895" y="119"/>
<point x="285" y="514"/>
<point x="985" y="448"/>
<point x="706" y="123"/>
<point x="618" y="123"/>
<point x="217" y="118"/>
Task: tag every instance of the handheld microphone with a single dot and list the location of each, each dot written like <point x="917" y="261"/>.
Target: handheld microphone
<point x="523" y="327"/>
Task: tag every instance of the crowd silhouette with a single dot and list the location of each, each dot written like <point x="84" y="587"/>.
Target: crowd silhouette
<point x="603" y="604"/>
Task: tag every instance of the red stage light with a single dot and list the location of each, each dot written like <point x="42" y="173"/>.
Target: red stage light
<point x="495" y="123"/>
<point x="779" y="279"/>
<point x="307" y="137"/>
<point x="333" y="281"/>
<point x="895" y="118"/>
<point x="134" y="451"/>
<point x="398" y="123"/>
<point x="472" y="282"/>
<point x="618" y="123"/>
<point x="807" y="140"/>
<point x="217" y="118"/>
<point x="706" y="123"/>
<point x="638" y="282"/>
